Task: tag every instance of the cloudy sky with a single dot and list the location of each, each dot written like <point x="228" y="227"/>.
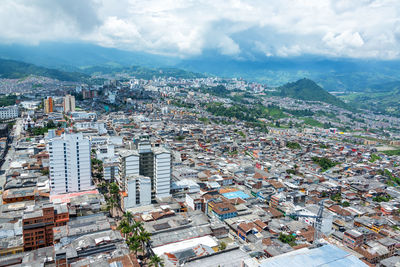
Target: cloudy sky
<point x="185" y="28"/>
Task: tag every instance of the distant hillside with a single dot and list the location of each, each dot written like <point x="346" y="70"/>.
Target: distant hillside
<point x="16" y="69"/>
<point x="383" y="98"/>
<point x="308" y="90"/>
<point x="385" y="87"/>
<point x="142" y="72"/>
<point x="333" y="74"/>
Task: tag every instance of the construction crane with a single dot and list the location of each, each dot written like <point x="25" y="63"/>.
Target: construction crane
<point x="318" y="222"/>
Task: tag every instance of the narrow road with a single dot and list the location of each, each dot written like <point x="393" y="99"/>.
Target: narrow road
<point x="10" y="154"/>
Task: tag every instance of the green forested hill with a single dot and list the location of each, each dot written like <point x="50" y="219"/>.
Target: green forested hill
<point x="308" y="90"/>
<point x="16" y="69"/>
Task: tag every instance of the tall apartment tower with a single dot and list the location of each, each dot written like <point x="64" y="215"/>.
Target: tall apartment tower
<point x="69" y="103"/>
<point x="48" y="105"/>
<point x="70" y="168"/>
<point x="147" y="161"/>
<point x="138" y="191"/>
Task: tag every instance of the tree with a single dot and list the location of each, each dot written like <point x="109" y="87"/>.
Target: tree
<point x="137" y="226"/>
<point x="128" y="216"/>
<point x="113" y="188"/>
<point x="50" y="124"/>
<point x="222" y="246"/>
<point x="289" y="239"/>
<point x="144" y="238"/>
<point x="126" y="230"/>
<point x="134" y="244"/>
<point x="336" y="197"/>
<point x="156" y="261"/>
<point x="345" y="204"/>
<point x="111" y="203"/>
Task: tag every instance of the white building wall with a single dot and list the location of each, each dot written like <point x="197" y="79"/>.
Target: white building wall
<point x="130" y="200"/>
<point x="9" y="112"/>
<point x="70" y="166"/>
<point x="145" y="190"/>
<point x="129" y="165"/>
<point x="189" y="201"/>
<point x="162" y="174"/>
<point x="69" y="103"/>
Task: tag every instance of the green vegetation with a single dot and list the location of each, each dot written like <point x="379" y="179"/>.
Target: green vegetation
<point x="374" y="158"/>
<point x="382" y="198"/>
<point x="218" y="90"/>
<point x="112" y="197"/>
<point x="245" y="113"/>
<point x="323" y="146"/>
<point x="395" y="227"/>
<point x="336" y="197"/>
<point x="181" y="104"/>
<point x="141" y="72"/>
<point x="8" y="100"/>
<point x="395" y="152"/>
<point x="293" y="145"/>
<point x="308" y="90"/>
<point x="324" y="163"/>
<point x="288" y="239"/>
<point x="393" y="180"/>
<point x="300" y="113"/>
<point x="37" y="85"/>
<point x="204" y="120"/>
<point x="180" y="138"/>
<point x="16" y="70"/>
<point x="156" y="261"/>
<point x="136" y="236"/>
<point x="383" y="98"/>
<point x="42" y="130"/>
<point x="97" y="168"/>
<point x="45" y="171"/>
<point x="222" y="246"/>
<point x="316" y="123"/>
<point x="313" y="122"/>
<point x="345" y="204"/>
<point x="233" y="153"/>
<point x="241" y="134"/>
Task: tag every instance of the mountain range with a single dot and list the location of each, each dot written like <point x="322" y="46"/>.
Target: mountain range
<point x="13" y="69"/>
<point x="361" y="83"/>
<point x="333" y="74"/>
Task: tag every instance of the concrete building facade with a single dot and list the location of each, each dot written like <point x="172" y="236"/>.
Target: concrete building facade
<point x="9" y="112"/>
<point x="69" y="103"/>
<point x="70" y="166"/>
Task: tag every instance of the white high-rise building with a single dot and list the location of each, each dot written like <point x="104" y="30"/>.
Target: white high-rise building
<point x="162" y="172"/>
<point x="69" y="103"/>
<point x="138" y="191"/>
<point x="128" y="165"/>
<point x="70" y="168"/>
<point x="147" y="161"/>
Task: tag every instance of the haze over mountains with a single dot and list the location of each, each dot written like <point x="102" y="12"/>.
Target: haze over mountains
<point x="333" y="74"/>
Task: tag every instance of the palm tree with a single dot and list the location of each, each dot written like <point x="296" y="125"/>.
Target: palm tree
<point x="134" y="244"/>
<point x="126" y="230"/>
<point x="128" y="216"/>
<point x="137" y="227"/>
<point x="156" y="261"/>
<point x="122" y="224"/>
<point x="144" y="238"/>
<point x="111" y="203"/>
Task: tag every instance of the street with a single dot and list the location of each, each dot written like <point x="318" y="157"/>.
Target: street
<point x="15" y="134"/>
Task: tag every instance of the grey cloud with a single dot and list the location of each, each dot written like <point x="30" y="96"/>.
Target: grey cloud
<point x="365" y="28"/>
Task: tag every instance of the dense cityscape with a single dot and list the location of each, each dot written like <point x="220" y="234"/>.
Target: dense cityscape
<point x="181" y="133"/>
<point x="194" y="172"/>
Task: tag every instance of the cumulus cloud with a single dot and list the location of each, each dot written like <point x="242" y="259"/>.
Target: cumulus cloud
<point x="345" y="28"/>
